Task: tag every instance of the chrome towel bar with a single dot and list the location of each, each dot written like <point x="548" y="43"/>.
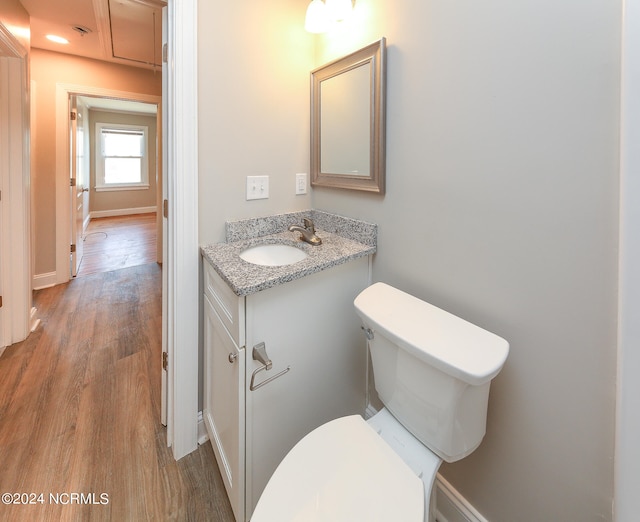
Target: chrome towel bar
<point x="259" y="353"/>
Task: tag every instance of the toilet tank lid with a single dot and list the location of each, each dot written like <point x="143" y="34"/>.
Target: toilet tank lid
<point x="439" y="338"/>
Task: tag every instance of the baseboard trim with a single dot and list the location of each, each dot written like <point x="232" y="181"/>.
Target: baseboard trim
<point x="45" y="280"/>
<point x="122" y="212"/>
<point x="33" y="319"/>
<point x="369" y="412"/>
<point x="203" y="436"/>
<point x="451" y="506"/>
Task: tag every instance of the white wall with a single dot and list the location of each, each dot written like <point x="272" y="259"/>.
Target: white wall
<point x="501" y="203"/>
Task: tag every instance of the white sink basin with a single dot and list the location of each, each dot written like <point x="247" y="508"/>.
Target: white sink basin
<point x="273" y="254"/>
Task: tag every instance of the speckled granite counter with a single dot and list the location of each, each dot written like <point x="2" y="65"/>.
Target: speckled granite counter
<point x="343" y="239"/>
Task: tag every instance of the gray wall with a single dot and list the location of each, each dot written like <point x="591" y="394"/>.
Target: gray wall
<point x="501" y="203"/>
<point x="254" y="63"/>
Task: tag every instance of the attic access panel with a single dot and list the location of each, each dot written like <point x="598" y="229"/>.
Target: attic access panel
<point x="136" y="31"/>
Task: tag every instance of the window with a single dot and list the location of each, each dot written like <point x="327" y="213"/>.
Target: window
<point x="121" y="152"/>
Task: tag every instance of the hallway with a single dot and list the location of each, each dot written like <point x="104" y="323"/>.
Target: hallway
<point x="80" y="411"/>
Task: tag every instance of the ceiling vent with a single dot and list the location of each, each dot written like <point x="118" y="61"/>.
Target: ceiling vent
<point x="81" y="29"/>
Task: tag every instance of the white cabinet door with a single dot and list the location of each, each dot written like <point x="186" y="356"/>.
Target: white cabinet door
<point x="223" y="408"/>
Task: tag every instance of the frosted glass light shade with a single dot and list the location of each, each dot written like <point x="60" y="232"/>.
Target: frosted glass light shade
<point x="317" y="19"/>
<point x="338" y="10"/>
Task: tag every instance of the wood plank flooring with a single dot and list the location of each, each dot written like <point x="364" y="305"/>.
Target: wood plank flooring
<point x="80" y="411"/>
<point x="118" y="242"/>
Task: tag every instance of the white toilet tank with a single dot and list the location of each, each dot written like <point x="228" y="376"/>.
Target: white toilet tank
<point x="432" y="370"/>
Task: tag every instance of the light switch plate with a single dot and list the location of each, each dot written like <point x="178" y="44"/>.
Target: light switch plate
<point x="301" y="183"/>
<point x="257" y="187"/>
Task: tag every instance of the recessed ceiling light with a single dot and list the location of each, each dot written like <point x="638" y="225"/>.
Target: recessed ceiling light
<point x="57" y="39"/>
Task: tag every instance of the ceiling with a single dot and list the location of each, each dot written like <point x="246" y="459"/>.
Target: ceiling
<point x="128" y="32"/>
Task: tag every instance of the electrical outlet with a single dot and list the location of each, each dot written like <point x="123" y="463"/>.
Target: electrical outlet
<point x="257" y="187"/>
<point x="301" y="183"/>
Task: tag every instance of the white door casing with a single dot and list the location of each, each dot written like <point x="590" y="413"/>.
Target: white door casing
<point x="183" y="264"/>
<point x="183" y="257"/>
<point x="164" y="391"/>
<point x="64" y="92"/>
<point x="15" y="245"/>
<point x="627" y="451"/>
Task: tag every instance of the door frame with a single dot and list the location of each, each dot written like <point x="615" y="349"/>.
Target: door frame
<point x="627" y="451"/>
<point x="182" y="227"/>
<point x="182" y="310"/>
<point x="63" y="195"/>
<point x="16" y="314"/>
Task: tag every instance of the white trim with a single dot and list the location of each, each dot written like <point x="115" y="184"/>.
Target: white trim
<point x="15" y="218"/>
<point x="369" y="412"/>
<point x="451" y="506"/>
<point x="35" y="322"/>
<point x="182" y="227"/>
<point x="96" y="214"/>
<point x="117" y="188"/>
<point x="63" y="193"/>
<point x="627" y="452"/>
<point x="143" y="130"/>
<point x="203" y="435"/>
<point x="46" y="280"/>
<point x="9" y="44"/>
<point x="163" y="246"/>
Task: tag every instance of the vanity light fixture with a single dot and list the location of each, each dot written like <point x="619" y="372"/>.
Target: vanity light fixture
<point x="317" y="19"/>
<point x="322" y="14"/>
<point x="339" y="10"/>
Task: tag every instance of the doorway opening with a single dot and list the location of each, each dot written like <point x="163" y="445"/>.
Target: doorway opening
<point x="116" y="183"/>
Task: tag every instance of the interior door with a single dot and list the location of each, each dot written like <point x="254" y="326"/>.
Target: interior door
<point x="83" y="158"/>
<point x="165" y="267"/>
<point x="79" y="181"/>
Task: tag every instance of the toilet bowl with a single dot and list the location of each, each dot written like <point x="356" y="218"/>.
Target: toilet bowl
<point x="342" y="471"/>
<point x="432" y="372"/>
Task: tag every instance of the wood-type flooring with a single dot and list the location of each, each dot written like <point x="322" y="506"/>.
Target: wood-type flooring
<point x="118" y="242"/>
<point x="80" y="432"/>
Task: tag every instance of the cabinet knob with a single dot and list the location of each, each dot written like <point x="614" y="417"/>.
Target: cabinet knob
<point x="232" y="357"/>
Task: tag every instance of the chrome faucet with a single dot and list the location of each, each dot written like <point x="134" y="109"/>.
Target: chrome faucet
<point x="308" y="232"/>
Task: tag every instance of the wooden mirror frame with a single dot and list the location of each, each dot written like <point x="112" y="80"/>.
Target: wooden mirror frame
<point x="374" y="181"/>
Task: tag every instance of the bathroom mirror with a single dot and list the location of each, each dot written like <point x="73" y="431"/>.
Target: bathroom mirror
<point x="348" y="121"/>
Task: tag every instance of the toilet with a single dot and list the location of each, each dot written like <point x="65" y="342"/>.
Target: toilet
<point x="432" y="371"/>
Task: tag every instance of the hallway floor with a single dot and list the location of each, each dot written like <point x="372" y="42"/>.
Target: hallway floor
<point x="118" y="242"/>
<point x="80" y="411"/>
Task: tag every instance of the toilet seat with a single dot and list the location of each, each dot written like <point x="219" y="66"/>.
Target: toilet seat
<point x="342" y="471"/>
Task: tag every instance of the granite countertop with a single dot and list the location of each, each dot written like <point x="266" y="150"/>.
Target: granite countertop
<point x="246" y="278"/>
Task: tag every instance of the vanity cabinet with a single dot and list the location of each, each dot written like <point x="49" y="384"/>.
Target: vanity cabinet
<point x="223" y="410"/>
<point x="309" y="326"/>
